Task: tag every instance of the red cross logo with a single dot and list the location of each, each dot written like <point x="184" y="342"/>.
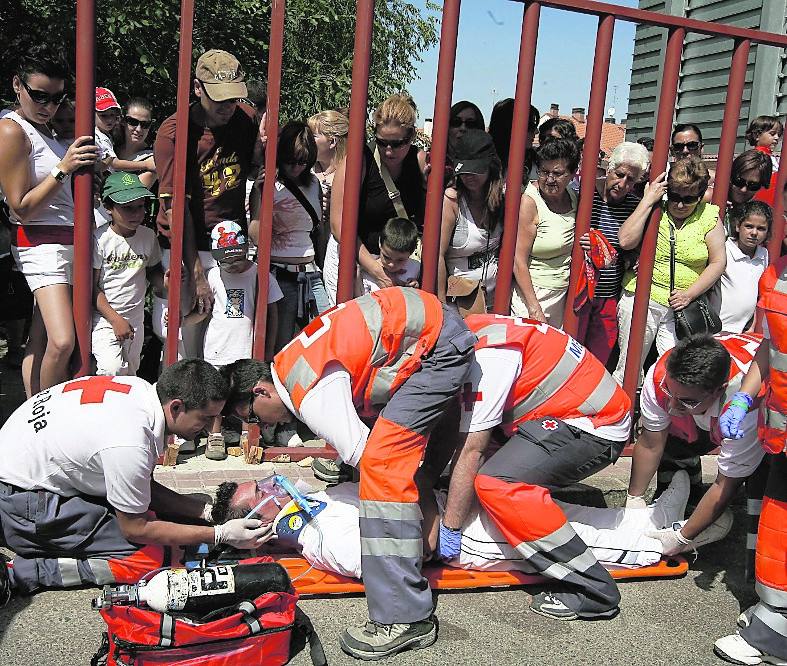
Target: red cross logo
<point x="94" y="388"/>
<point x="549" y="424"/>
<point x="470" y="397"/>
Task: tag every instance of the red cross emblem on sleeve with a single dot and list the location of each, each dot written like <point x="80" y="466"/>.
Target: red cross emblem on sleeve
<point x="95" y="388"/>
<point x="549" y="424"/>
<point x="470" y="397"/>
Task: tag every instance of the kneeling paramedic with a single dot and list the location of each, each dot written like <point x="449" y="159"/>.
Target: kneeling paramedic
<point x="562" y="418"/>
<point x="398" y="358"/>
<point x="77" y="498"/>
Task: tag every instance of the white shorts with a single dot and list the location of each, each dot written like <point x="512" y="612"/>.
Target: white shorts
<point x="45" y="265"/>
<point x="112" y="356"/>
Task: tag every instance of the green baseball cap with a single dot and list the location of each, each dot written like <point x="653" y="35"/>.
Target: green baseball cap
<point x="122" y="187"/>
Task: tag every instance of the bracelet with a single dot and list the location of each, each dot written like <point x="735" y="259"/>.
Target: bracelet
<point x="742" y="399"/>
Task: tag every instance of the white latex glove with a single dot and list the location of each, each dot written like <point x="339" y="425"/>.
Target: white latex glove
<point x="635" y="502"/>
<point x="243" y="533"/>
<point x="673" y="541"/>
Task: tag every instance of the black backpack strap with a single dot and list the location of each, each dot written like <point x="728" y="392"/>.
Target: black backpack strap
<point x="305" y="626"/>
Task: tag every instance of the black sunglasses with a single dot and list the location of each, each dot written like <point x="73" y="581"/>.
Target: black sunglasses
<point x="740" y="183"/>
<point x="43" y="98"/>
<point x="689" y="145"/>
<point x="460" y="122"/>
<point x="133" y="122"/>
<point x="393" y="145"/>
<point x="686" y="201"/>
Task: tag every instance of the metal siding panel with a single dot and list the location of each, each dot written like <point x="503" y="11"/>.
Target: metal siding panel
<point x="710" y="80"/>
<point x="730" y="12"/>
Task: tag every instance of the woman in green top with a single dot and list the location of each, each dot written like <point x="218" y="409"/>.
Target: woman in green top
<point x="700" y="258"/>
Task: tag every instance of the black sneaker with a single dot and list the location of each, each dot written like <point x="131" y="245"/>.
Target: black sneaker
<point x="549" y="605"/>
<point x="332" y="471"/>
<point x="6" y="591"/>
<point x="376" y="641"/>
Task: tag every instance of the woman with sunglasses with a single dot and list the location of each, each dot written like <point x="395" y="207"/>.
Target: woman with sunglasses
<point x="547" y="219"/>
<point x="35" y="177"/>
<point x="134" y="144"/>
<point x="464" y="116"/>
<point x="700" y="258"/>
<point x="392" y="182"/>
<point x="500" y="125"/>
<point x="296" y="212"/>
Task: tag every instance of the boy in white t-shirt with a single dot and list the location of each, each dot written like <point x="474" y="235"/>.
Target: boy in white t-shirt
<point x="398" y="240"/>
<point x="126" y="256"/>
<point x="230" y="330"/>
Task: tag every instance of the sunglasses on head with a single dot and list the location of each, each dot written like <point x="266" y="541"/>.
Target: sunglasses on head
<point x="392" y="144"/>
<point x="41" y="97"/>
<point x="689" y="145"/>
<point x="686" y="201"/>
<point x="133" y="122"/>
<point x="461" y="122"/>
<point x="740" y="183"/>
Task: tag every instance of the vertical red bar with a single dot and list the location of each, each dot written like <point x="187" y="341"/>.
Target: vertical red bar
<point x="667" y="97"/>
<point x="83" y="182"/>
<point x="275" y="50"/>
<point x="777" y="230"/>
<point x="364" y="20"/>
<point x="598" y="95"/>
<point x="729" y="124"/>
<point x="442" y="111"/>
<point x="179" y="192"/>
<point x="516" y="154"/>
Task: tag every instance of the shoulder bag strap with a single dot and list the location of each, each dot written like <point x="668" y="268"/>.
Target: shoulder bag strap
<point x="671" y="258"/>
<point x="393" y="191"/>
<point x="302" y="200"/>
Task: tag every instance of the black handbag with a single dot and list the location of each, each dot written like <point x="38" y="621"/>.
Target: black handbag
<point x="698" y="316"/>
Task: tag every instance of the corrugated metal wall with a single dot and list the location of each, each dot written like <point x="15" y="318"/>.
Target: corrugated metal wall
<point x="705" y="68"/>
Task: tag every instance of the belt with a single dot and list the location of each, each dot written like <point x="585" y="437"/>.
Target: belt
<point x="294" y="268"/>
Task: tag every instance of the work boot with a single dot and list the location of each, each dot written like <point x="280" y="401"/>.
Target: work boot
<point x="548" y="605"/>
<point x="376" y="641"/>
<point x="736" y="650"/>
<point x="6" y="591"/>
<point x="670" y="507"/>
<point x="332" y="471"/>
<point x="215" y="449"/>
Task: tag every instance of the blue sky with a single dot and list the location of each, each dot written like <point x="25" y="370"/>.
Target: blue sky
<point x="488" y="50"/>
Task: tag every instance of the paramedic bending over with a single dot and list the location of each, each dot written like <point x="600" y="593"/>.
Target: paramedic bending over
<point x="35" y="176"/>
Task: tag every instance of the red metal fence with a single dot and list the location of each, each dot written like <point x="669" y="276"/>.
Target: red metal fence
<point x="607" y="14"/>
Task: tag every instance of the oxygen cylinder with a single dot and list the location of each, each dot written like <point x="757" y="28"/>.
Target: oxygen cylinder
<point x="199" y="591"/>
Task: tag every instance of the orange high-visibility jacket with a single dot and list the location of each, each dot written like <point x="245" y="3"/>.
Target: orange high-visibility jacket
<point x="559" y="377"/>
<point x="742" y="348"/>
<point x="379" y="339"/>
<point x="773" y="301"/>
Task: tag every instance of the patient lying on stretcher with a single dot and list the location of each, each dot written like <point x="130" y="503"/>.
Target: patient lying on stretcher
<point x="329" y="539"/>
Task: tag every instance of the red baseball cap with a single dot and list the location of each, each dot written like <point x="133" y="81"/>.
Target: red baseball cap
<point x="105" y="99"/>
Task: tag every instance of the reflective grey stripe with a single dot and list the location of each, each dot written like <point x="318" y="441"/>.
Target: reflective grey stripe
<point x="558" y="538"/>
<point x="552" y="383"/>
<point x="69" y="572"/>
<point x="495" y="334"/>
<point x="774" y="419"/>
<point x="246" y="607"/>
<point x="388" y="547"/>
<point x="775" y="621"/>
<point x="778" y="360"/>
<point x="601" y="395"/>
<point x="373" y="316"/>
<point x="167" y="630"/>
<point x="390" y="510"/>
<point x="580" y="563"/>
<point x="754" y="507"/>
<point x="771" y="596"/>
<point x="301" y="373"/>
<point x="751" y="541"/>
<point x="253" y="624"/>
<point x="384" y="379"/>
<point x="101" y="571"/>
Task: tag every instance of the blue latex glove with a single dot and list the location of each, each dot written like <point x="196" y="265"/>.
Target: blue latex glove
<point x="450" y="543"/>
<point x="732" y="417"/>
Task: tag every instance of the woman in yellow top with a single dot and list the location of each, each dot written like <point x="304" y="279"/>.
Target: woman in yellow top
<point x="700" y="258"/>
<point x="547" y="219"/>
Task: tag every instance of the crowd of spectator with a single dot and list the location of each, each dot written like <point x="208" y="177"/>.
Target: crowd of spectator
<point x="133" y="158"/>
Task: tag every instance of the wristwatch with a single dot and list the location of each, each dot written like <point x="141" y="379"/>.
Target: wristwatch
<point x="58" y="174"/>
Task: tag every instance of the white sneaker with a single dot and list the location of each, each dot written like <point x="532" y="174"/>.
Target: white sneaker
<point x="736" y="650"/>
<point x="744" y="619"/>
<point x="716" y="531"/>
<point x="670" y="507"/>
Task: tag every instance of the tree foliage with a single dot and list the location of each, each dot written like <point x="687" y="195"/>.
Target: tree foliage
<point x="137" y="45"/>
